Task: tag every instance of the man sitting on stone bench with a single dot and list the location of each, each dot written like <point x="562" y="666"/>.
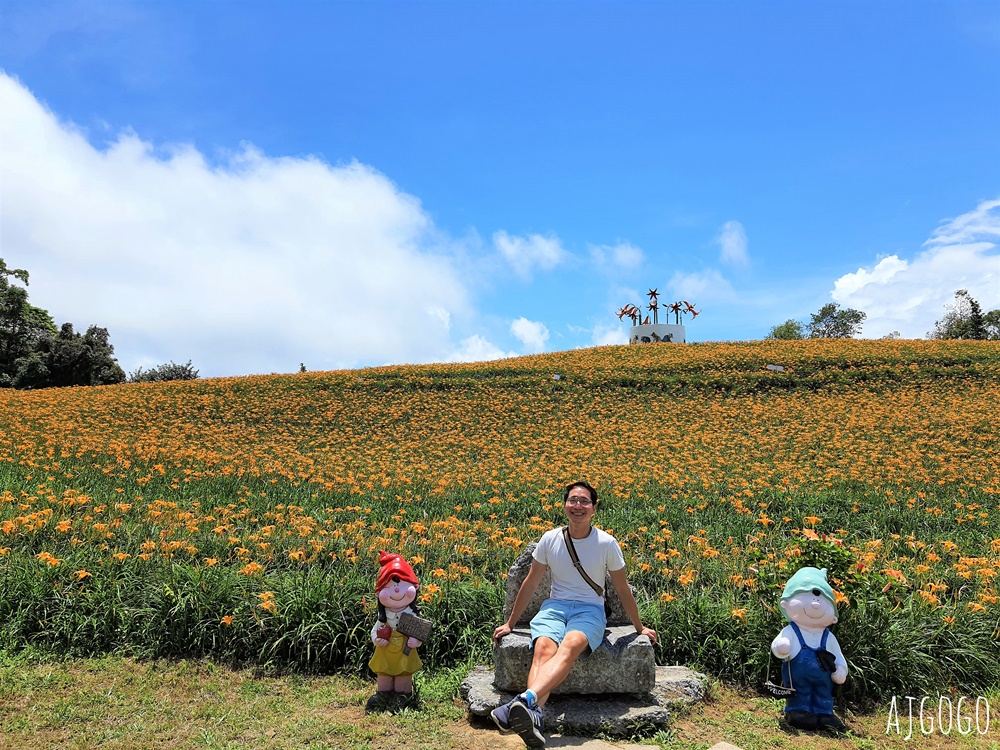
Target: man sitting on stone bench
<point x="572" y="619"/>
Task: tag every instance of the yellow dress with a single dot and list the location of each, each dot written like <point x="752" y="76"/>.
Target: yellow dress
<point x="391" y="660"/>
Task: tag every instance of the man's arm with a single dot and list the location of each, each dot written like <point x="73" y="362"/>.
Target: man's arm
<point x="523" y="598"/>
<point x="620" y="580"/>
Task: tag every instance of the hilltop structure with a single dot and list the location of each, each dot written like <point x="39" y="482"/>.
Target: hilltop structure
<point x="645" y="332"/>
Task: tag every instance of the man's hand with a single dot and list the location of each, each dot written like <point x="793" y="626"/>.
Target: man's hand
<point x="649" y="633"/>
<point x="501" y="631"/>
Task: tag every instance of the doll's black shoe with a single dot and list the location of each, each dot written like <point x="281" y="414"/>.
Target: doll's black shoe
<point x="381" y="701"/>
<point x="830" y="723"/>
<point x="802" y="720"/>
<point x="404" y="700"/>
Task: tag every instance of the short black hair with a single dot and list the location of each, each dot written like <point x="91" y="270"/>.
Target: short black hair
<point x="591" y="490"/>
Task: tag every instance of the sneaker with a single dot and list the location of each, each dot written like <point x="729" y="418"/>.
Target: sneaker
<point x="501" y="717"/>
<point x="527" y="722"/>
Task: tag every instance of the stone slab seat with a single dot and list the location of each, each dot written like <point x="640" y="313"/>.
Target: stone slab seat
<point x="614" y="715"/>
<point x="625" y="662"/>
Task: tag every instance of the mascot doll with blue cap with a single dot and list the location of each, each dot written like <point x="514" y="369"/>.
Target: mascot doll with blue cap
<point x="812" y="658"/>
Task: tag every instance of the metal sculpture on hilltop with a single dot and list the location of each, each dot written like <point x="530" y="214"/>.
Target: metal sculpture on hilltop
<point x="634" y="312"/>
<point x="668" y="332"/>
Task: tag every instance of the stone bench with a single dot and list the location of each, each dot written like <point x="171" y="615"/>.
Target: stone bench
<point x="624" y="663"/>
<point x="617" y="690"/>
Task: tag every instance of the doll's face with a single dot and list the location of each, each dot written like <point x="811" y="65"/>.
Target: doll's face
<point x="809" y="609"/>
<point x="397" y="594"/>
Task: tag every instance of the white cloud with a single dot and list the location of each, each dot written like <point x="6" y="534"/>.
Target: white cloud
<point x="624" y="256"/>
<point x="525" y="254"/>
<point x="475" y="348"/>
<point x="604" y="334"/>
<point x="704" y="285"/>
<point x="733" y="241"/>
<point x="908" y="296"/>
<point x="253" y="265"/>
<point x="981" y="222"/>
<point x="530" y="333"/>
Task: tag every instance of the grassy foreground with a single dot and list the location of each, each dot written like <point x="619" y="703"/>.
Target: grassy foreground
<point x="240" y="519"/>
<point x="119" y="704"/>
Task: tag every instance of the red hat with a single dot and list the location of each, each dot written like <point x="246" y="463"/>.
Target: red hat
<point x="394" y="565"/>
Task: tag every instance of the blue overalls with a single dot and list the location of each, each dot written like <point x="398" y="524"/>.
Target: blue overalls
<point x="813" y="684"/>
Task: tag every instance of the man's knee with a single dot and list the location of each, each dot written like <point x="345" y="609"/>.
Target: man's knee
<point x="544" y="648"/>
<point x="575" y="643"/>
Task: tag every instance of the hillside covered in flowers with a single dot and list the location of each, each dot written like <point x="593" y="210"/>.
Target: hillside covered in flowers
<point x="241" y="518"/>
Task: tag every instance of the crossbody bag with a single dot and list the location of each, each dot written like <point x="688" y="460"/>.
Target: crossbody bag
<point x="577" y="564"/>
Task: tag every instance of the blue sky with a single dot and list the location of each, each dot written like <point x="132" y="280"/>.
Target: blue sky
<point x="252" y="185"/>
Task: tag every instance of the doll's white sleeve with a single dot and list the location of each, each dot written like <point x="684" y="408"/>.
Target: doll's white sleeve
<point x="833" y="646"/>
<point x="788" y="634"/>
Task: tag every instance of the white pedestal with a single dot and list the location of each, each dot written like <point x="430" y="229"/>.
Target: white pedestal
<point x="653" y="333"/>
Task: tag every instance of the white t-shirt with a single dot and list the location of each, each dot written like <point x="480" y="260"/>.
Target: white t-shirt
<point x="598" y="552"/>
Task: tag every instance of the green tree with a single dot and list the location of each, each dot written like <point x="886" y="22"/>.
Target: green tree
<point x="70" y="358"/>
<point x="832" y="322"/>
<point x="788" y="331"/>
<point x="35" y="354"/>
<point x="21" y="325"/>
<point x="964" y="319"/>
<point x="991" y="321"/>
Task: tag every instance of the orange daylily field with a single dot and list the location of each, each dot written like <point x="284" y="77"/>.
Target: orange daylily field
<point x="241" y="518"/>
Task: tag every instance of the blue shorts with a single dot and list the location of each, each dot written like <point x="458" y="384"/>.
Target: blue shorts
<point x="559" y="616"/>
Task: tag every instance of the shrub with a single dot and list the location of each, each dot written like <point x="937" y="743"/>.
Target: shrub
<point x="162" y="373"/>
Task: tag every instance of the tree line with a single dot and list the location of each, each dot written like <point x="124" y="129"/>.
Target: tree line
<point x="35" y="353"/>
<point x="963" y="319"/>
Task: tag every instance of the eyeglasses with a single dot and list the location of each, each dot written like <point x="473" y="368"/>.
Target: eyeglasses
<point x="579" y="501"/>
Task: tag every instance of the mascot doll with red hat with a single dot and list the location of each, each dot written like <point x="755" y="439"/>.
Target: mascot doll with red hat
<point x="395" y="659"/>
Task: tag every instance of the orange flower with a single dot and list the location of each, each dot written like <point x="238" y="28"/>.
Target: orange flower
<point x="49" y="558"/>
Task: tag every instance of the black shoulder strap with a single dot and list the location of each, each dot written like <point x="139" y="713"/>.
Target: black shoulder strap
<point x="577" y="564"/>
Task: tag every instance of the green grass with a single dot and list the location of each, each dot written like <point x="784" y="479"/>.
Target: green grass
<point x="123" y="704"/>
